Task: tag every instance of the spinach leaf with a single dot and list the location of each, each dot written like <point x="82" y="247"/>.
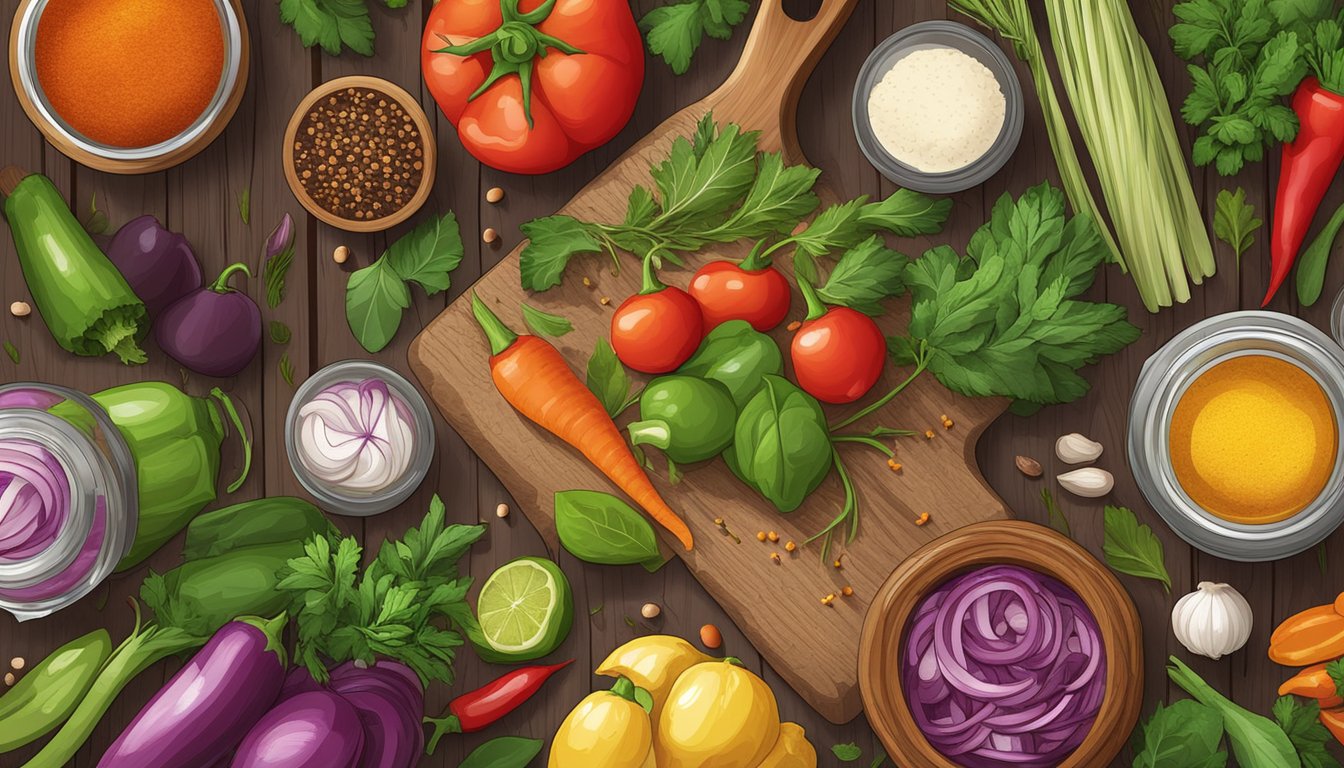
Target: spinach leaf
<point x="738" y="357"/>
<point x="600" y="528"/>
<point x="781" y="445"/>
<point x="1185" y="735"/>
<point x="503" y="752"/>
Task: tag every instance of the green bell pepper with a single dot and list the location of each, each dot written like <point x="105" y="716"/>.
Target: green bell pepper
<point x="45" y="697"/>
<point x="688" y="418"/>
<point x="737" y="356"/>
<point x="175" y="442"/>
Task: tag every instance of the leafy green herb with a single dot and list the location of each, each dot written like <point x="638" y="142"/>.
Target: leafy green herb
<point x="395" y="608"/>
<point x="1131" y="548"/>
<point x="608" y="380"/>
<point x="864" y="276"/>
<point x="333" y="24"/>
<point x="674" y="31"/>
<point x="1004" y="319"/>
<point x="847" y="225"/>
<point x="1057" y="519"/>
<point x="544" y="323"/>
<point x="377" y="295"/>
<point x="280" y="333"/>
<point x="1256" y="741"/>
<point x="847" y="753"/>
<point x="1324" y="54"/>
<point x="245" y="205"/>
<point x="286" y="369"/>
<point x="96" y="222"/>
<point x="599" y="528"/>
<point x="1185" y="735"/>
<point x="274" y="273"/>
<point x="1234" y="221"/>
<point x="12" y="351"/>
<point x="503" y="752"/>
<point x="1312" y="261"/>
<point x="878" y="759"/>
<point x="1335" y="670"/>
<point x="1301" y="721"/>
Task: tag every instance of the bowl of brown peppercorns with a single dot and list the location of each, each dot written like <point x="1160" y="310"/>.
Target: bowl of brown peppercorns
<point x="360" y="154"/>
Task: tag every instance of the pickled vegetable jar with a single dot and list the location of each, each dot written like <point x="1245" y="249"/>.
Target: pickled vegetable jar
<point x="67" y="499"/>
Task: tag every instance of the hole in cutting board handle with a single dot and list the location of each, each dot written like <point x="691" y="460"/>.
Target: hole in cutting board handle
<point x="801" y="10"/>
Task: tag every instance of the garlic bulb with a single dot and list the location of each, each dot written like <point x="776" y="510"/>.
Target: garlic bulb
<point x="1074" y="448"/>
<point x="1212" y="621"/>
<point x="1088" y="482"/>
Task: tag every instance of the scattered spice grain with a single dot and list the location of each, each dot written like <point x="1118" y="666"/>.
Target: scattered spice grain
<point x="760" y="535"/>
<point x="586" y="282"/>
<point x="774" y="558"/>
<point x="1028" y="466"/>
<point x="341" y="254"/>
<point x="847" y="591"/>
<point x="17" y="662"/>
<point x="502" y="510"/>
<point x="789" y="546"/>
<point x="604" y="301"/>
<point x="710" y="636"/>
<point x="894" y="465"/>
<point x="928" y="433"/>
<point x="795" y="325"/>
<point x="9" y="678"/>
<point x="494" y="195"/>
<point x="772" y="536"/>
<point x="489" y="235"/>
<point x="20" y="309"/>
<point x="650" y="611"/>
<point x="922" y="519"/>
<point x="359" y="155"/>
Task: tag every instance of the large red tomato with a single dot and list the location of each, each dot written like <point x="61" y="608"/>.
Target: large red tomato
<point x="532" y="85"/>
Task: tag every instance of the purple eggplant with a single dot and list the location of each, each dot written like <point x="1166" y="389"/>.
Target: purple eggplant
<point x="213" y="331"/>
<point x="159" y="265"/>
<point x="315" y="729"/>
<point x="210" y="704"/>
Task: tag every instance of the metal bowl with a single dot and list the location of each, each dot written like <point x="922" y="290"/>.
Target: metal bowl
<point x="129" y="160"/>
<point x="1164" y="379"/>
<point x="927" y="35"/>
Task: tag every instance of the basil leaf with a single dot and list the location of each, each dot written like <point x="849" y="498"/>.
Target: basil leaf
<point x="607" y="379"/>
<point x="374" y="300"/>
<point x="600" y="528"/>
<point x="1133" y="549"/>
<point x="847" y="753"/>
<point x="781" y="444"/>
<point x="503" y="752"/>
<point x="428" y="254"/>
<point x="1185" y="734"/>
<point x="737" y="356"/>
<point x="544" y="323"/>
<point x="552" y="242"/>
<point x="280" y="333"/>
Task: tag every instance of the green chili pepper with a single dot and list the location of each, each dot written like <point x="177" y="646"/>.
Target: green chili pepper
<point x="737" y="356"/>
<point x="175" y="441"/>
<point x="87" y="305"/>
<point x="689" y="419"/>
<point x="45" y="697"/>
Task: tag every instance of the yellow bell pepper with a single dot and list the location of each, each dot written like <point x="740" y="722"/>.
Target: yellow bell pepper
<point x="653" y="662"/>
<point x="792" y="749"/>
<point x="718" y="715"/>
<point x="608" y="729"/>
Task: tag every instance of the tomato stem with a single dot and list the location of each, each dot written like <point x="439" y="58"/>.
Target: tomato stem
<point x="651" y="282"/>
<point x="498" y="334"/>
<point x="815" y="307"/>
<point x="756" y="260"/>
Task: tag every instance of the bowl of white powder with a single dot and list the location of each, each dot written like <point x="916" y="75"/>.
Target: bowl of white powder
<point x="938" y="107"/>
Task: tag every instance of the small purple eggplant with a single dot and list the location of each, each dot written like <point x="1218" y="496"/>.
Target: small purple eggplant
<point x="213" y="331"/>
<point x="316" y="729"/>
<point x="159" y="265"/>
<point x="210" y="704"/>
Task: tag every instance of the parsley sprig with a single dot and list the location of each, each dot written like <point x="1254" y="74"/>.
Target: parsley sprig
<point x="393" y="609"/>
<point x="333" y="24"/>
<point x="674" y="31"/>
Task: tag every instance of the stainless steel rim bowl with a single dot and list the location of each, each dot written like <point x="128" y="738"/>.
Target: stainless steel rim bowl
<point x="332" y="499"/>
<point x="1164" y="379"/>
<point x="25" y="38"/>
<point x="939" y="34"/>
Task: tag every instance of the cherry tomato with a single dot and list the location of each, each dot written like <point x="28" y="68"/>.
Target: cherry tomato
<point x="657" y="329"/>
<point x="838" y="353"/>
<point x="726" y="291"/>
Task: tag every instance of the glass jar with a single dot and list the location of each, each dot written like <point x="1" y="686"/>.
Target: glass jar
<point x="67" y="498"/>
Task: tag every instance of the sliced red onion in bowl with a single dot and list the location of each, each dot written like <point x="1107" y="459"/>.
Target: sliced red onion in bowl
<point x="1004" y="667"/>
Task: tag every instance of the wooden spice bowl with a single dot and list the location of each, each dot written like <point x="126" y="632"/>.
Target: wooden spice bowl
<point x="999" y="542"/>
<point x="198" y="136"/>
<point x="413" y="110"/>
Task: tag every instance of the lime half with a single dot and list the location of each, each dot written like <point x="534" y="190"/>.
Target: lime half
<point x="525" y="610"/>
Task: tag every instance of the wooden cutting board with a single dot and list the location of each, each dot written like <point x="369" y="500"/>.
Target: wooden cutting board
<point x="777" y="606"/>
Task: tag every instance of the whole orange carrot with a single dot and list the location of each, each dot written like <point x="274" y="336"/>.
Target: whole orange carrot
<point x="535" y="379"/>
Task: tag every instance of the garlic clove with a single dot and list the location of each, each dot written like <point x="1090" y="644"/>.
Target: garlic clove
<point x="1212" y="621"/>
<point x="1088" y="482"/>
<point x="1074" y="448"/>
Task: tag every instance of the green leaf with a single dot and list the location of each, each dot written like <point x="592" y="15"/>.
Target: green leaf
<point x="1300" y="720"/>
<point x="245" y="205"/>
<point x="332" y="24"/>
<point x="1185" y="735"/>
<point x="865" y="275"/>
<point x="1131" y="548"/>
<point x="544" y="323"/>
<point x="1256" y="741"/>
<point x="1336" y="671"/>
<point x="781" y="444"/>
<point x="274" y="273"/>
<point x="552" y="242"/>
<point x="96" y="222"/>
<point x="693" y="189"/>
<point x="644" y="699"/>
<point x="674" y="31"/>
<point x="779" y="197"/>
<point x="286" y="369"/>
<point x="279" y="332"/>
<point x="503" y="752"/>
<point x="846" y="753"/>
<point x="12" y="351"/>
<point x="1234" y="221"/>
<point x="607" y="379"/>
<point x="1311" y="263"/>
<point x="1057" y="519"/>
<point x="599" y="528"/>
<point x="375" y="298"/>
<point x="428" y="254"/>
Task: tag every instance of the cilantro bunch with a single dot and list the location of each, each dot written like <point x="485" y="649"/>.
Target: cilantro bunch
<point x="333" y="24"/>
<point x="674" y="31"/>
<point x="1005" y="320"/>
<point x="408" y="604"/>
<point x="1245" y="56"/>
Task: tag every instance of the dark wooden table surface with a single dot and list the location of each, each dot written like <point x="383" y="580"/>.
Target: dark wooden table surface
<point x="199" y="199"/>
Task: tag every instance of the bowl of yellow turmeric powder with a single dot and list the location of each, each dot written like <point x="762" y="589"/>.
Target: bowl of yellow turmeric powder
<point x="1234" y="435"/>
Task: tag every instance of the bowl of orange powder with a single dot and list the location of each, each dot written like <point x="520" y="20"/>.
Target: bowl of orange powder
<point x="129" y="86"/>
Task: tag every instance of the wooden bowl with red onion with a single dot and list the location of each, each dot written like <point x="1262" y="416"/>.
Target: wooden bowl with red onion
<point x="1002" y="644"/>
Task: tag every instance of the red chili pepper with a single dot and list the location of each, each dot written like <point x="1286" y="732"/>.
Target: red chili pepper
<point x="484" y="706"/>
<point x="1309" y="165"/>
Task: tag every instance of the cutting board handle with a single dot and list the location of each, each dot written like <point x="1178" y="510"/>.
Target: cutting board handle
<point x="762" y="93"/>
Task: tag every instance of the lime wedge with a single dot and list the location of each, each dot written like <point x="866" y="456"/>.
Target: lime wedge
<point x="525" y="609"/>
